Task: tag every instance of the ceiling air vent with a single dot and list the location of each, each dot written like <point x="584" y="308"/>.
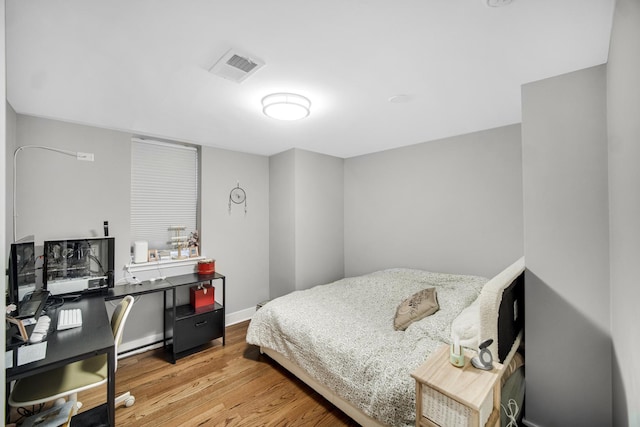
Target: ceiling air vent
<point x="236" y="66"/>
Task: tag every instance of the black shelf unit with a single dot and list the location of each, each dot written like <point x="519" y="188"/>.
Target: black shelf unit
<point x="190" y="328"/>
<point x="186" y="328"/>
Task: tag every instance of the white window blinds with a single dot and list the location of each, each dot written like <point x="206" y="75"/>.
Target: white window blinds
<point x="164" y="191"/>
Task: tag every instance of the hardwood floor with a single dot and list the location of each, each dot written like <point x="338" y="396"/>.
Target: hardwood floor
<point x="232" y="385"/>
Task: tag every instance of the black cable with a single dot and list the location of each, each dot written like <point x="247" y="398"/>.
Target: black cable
<point x="25" y="413"/>
<point x="93" y="257"/>
<point x="101" y="271"/>
<point x="53" y="302"/>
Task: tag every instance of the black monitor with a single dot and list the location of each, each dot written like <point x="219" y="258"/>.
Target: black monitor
<point x="78" y="265"/>
<point x="22" y="270"/>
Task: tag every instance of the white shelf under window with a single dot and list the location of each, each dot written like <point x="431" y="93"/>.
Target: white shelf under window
<point x="144" y="266"/>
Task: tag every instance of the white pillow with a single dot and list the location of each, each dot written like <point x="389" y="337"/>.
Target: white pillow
<point x="467" y="326"/>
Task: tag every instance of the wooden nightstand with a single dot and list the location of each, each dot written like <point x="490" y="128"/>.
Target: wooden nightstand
<point x="451" y="397"/>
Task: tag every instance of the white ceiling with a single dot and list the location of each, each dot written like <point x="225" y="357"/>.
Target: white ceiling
<point x="141" y="66"/>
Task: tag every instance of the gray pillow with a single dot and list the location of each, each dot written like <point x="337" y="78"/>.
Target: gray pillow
<point x="418" y="306"/>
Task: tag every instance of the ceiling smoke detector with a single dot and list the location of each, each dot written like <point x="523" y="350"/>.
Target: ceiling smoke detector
<point x="236" y="66"/>
<point x="498" y="3"/>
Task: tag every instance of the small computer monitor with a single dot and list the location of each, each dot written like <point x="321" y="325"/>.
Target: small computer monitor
<point x="22" y="270"/>
<point x="78" y="265"/>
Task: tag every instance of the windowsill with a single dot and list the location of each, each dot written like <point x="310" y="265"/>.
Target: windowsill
<point x="144" y="266"/>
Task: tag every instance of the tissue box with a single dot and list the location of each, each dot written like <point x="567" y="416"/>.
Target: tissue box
<point x="199" y="298"/>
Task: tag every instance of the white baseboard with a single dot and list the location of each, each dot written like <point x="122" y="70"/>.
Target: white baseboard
<point x="150" y="342"/>
<point x="240" y="316"/>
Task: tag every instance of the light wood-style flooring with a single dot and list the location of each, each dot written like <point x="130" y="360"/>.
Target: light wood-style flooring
<point x="232" y="385"/>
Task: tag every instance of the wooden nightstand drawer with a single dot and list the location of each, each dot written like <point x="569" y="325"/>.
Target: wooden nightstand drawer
<point x="441" y="410"/>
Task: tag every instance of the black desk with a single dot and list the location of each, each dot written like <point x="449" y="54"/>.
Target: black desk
<point x="96" y="337"/>
<point x="63" y="347"/>
<point x="168" y="284"/>
<point x="175" y="312"/>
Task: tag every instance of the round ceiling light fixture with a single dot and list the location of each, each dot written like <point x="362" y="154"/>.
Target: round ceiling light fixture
<point x="286" y="106"/>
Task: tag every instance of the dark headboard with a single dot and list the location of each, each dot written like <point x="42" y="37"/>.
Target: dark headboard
<point x="510" y="316"/>
<point x="502" y="310"/>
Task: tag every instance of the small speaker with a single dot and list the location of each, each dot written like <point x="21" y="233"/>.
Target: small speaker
<point x="106" y="228"/>
<point x="140" y="251"/>
<point x="484" y="359"/>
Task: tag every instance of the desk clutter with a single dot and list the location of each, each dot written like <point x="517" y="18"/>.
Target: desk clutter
<point x="25" y="354"/>
<point x="32" y="304"/>
<point x="34" y="332"/>
<point x="58" y="415"/>
<point x="67" y="319"/>
<point x="41" y="329"/>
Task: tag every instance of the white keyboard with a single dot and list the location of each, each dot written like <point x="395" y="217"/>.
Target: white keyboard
<point x="68" y="319"/>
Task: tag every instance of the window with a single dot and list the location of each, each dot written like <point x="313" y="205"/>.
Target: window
<point x="164" y="191"/>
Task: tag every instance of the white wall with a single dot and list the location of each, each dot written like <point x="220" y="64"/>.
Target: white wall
<point x="623" y="114"/>
<point x="566" y="245"/>
<point x="452" y="205"/>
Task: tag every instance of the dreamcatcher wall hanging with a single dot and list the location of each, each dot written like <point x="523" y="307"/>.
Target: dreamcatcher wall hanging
<point x="238" y="196"/>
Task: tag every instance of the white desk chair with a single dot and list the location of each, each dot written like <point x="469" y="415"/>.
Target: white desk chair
<point x="75" y="377"/>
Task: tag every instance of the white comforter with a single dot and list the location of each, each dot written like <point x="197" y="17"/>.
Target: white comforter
<point x="342" y="334"/>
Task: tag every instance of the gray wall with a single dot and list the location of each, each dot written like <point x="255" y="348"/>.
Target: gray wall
<point x="319" y="196"/>
<point x="238" y="242"/>
<point x="59" y="197"/>
<point x="623" y="110"/>
<point x="452" y="205"/>
<point x="10" y="145"/>
<point x="3" y="180"/>
<point x="282" y="224"/>
<point x="567" y="250"/>
<point x="306" y="220"/>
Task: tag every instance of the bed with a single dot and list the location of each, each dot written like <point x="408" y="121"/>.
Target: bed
<point x="340" y="338"/>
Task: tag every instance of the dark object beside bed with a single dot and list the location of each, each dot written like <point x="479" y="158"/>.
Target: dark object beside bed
<point x="510" y="316"/>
